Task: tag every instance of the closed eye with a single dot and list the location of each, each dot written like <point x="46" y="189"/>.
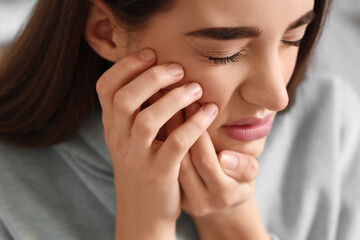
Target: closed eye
<point x="221" y="61"/>
<point x="225" y="60"/>
<point x="293" y="43"/>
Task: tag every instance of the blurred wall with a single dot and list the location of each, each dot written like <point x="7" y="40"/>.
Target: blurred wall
<point x="13" y="13"/>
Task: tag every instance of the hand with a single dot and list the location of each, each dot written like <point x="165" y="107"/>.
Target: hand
<point x="219" y="194"/>
<point x="210" y="186"/>
<point x="146" y="170"/>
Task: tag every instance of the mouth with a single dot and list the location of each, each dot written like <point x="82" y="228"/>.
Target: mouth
<point x="249" y="129"/>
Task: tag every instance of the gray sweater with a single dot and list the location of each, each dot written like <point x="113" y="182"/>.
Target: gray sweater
<point x="307" y="187"/>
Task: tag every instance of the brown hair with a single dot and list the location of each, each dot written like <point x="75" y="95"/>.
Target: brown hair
<point x="312" y="35"/>
<point x="1" y="53"/>
<point x="47" y="82"/>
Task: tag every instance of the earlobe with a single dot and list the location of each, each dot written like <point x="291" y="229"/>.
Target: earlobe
<point x="103" y="34"/>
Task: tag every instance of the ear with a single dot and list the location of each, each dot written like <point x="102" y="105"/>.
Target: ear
<point x="103" y="33"/>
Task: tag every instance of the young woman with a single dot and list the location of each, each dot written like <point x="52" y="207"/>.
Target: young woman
<point x="146" y="120"/>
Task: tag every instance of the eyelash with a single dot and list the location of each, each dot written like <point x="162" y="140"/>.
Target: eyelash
<point x="225" y="60"/>
<point x="294" y="43"/>
<point x="235" y="58"/>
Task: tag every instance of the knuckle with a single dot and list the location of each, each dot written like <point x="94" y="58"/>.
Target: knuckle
<point x="203" y="163"/>
<point x="126" y="63"/>
<point x="178" y="141"/>
<point x="200" y="211"/>
<point x="197" y="124"/>
<point x="122" y="103"/>
<point x="101" y="86"/>
<point x="156" y="75"/>
<point x="144" y="125"/>
<point x="223" y="201"/>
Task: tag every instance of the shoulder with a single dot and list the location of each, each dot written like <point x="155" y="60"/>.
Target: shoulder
<point x="57" y="165"/>
<point x="88" y="141"/>
<point x="13" y="158"/>
<point x="23" y="168"/>
<point x="24" y="172"/>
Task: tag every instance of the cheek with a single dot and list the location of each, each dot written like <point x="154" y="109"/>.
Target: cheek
<point x="216" y="83"/>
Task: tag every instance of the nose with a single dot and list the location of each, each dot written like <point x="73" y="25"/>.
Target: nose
<point x="265" y="84"/>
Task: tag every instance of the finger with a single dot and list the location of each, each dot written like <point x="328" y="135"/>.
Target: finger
<point x="120" y="74"/>
<point x="138" y="91"/>
<point x="152" y="99"/>
<point x="177" y="120"/>
<point x="181" y="139"/>
<point x="174" y="122"/>
<point x="161" y="136"/>
<point x="204" y="157"/>
<point x="149" y="121"/>
<point x="206" y="162"/>
<point x="194" y="190"/>
<point x="242" y="167"/>
<point x="128" y="99"/>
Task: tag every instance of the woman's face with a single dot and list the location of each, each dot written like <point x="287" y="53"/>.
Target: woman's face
<point x="241" y="52"/>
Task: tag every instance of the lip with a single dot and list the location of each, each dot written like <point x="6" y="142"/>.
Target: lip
<point x="249" y="129"/>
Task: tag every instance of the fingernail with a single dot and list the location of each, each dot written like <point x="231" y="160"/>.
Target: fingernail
<point x="193" y="88"/>
<point x="175" y="69"/>
<point x="229" y="161"/>
<point x="147" y="55"/>
<point x="210" y="109"/>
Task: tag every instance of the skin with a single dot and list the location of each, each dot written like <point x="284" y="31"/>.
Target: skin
<point x="157" y="175"/>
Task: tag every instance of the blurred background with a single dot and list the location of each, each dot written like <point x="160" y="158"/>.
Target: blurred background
<point x="338" y="52"/>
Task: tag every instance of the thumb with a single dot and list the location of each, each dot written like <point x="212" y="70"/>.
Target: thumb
<point x="241" y="167"/>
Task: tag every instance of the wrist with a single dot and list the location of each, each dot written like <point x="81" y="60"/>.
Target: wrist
<point x="145" y="230"/>
<point x="138" y="222"/>
<point x="239" y="222"/>
<point x="143" y="225"/>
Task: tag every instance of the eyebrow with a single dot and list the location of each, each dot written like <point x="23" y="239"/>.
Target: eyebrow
<point x="225" y="33"/>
